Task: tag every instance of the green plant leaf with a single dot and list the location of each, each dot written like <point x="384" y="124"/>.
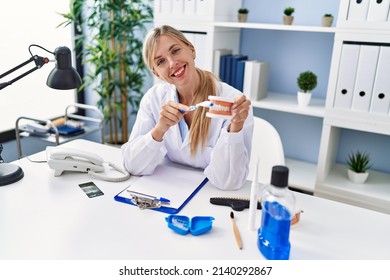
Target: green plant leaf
<point x="358" y="161"/>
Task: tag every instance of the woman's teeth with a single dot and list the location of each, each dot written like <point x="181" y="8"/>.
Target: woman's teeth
<point x="178" y="72"/>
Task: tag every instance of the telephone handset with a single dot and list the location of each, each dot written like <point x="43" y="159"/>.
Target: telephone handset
<point x="66" y="159"/>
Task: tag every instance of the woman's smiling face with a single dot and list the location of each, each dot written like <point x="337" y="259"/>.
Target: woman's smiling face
<point x="173" y="61"/>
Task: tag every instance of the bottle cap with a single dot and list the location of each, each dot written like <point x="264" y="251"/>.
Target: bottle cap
<point x="279" y="177"/>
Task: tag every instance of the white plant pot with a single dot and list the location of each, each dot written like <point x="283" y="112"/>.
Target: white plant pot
<point x="357" y="178"/>
<point x="304" y="98"/>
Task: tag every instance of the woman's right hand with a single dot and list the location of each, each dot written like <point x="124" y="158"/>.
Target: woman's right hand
<point x="170" y="115"/>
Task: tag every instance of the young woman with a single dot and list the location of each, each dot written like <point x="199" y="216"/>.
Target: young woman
<point x="164" y="127"/>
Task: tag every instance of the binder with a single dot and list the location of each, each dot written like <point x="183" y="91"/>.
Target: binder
<point x="365" y="76"/>
<point x="175" y="182"/>
<point x="228" y="69"/>
<point x="165" y="7"/>
<point x="380" y="101"/>
<point x="346" y="76"/>
<point x="224" y="69"/>
<point x="256" y="74"/>
<point x="200" y="41"/>
<point x="217" y="60"/>
<point x="378" y="10"/>
<point x="157" y="6"/>
<point x="204" y="7"/>
<point x="233" y="70"/>
<point x="358" y="10"/>
<point x="177" y="7"/>
<point x="240" y="71"/>
<point x="189" y="7"/>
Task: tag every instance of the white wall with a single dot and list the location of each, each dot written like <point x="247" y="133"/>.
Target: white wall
<point x="23" y="24"/>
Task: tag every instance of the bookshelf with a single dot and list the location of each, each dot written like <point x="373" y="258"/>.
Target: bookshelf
<point x="362" y="25"/>
<point x="288" y="103"/>
<point x="267" y="26"/>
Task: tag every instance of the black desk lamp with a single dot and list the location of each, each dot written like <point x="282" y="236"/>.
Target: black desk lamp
<point x="63" y="76"/>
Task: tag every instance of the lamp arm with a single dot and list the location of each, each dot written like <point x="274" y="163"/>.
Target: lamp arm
<point x="39" y="62"/>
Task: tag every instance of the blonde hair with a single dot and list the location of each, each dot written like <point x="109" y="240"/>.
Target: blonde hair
<point x="207" y="85"/>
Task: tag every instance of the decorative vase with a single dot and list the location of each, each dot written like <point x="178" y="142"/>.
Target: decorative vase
<point x="303" y="98"/>
<point x="357" y="178"/>
<point x="288" y="20"/>
<point x="242" y="17"/>
<point x="327" y="21"/>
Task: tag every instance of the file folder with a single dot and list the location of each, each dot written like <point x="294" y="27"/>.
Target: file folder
<point x="240" y="71"/>
<point x="165" y="6"/>
<point x="378" y="10"/>
<point x="217" y="60"/>
<point x="365" y="76"/>
<point x="256" y="79"/>
<point x="358" y="10"/>
<point x="200" y="41"/>
<point x="346" y="76"/>
<point x="233" y="69"/>
<point x="189" y="7"/>
<point x="380" y="101"/>
<point x="177" y="7"/>
<point x="175" y="182"/>
<point x="204" y="7"/>
<point x="224" y="69"/>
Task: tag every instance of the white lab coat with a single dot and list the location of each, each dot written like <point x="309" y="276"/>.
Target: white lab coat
<point x="224" y="160"/>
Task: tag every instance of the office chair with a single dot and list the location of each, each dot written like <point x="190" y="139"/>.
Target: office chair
<point x="268" y="148"/>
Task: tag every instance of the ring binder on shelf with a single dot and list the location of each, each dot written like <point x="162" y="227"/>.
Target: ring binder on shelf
<point x="380" y="100"/>
<point x="346" y="76"/>
<point x="365" y="76"/>
<point x="378" y="10"/>
<point x="358" y="10"/>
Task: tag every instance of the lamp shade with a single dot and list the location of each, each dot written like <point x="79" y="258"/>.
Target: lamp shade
<point x="63" y="76"/>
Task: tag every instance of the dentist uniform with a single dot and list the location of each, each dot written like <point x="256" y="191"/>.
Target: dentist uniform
<point x="225" y="158"/>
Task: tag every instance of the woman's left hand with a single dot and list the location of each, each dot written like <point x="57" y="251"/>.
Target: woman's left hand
<point x="240" y="112"/>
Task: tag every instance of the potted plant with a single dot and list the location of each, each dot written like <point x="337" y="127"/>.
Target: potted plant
<point x="110" y="44"/>
<point x="327" y="20"/>
<point x="288" y="18"/>
<point x="358" y="163"/>
<point x="307" y="81"/>
<point x="242" y="14"/>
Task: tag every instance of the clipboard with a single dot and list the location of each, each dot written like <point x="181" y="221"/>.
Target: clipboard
<point x="175" y="182"/>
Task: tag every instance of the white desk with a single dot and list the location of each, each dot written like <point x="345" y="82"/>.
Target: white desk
<point x="47" y="217"/>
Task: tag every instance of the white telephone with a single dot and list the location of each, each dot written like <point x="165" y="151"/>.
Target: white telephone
<point x="66" y="159"/>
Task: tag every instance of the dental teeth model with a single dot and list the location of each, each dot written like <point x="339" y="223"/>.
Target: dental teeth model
<point x="222" y="107"/>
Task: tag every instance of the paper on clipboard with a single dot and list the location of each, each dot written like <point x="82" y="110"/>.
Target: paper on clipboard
<point x="178" y="184"/>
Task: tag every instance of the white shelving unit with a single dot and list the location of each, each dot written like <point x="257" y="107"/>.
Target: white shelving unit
<point x="223" y="31"/>
<point x="331" y="180"/>
<point x="288" y="103"/>
<point x="267" y="26"/>
<point x="325" y="178"/>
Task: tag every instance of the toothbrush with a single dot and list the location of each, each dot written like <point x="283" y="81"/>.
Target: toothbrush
<point x="201" y="104"/>
<point x="254" y="198"/>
